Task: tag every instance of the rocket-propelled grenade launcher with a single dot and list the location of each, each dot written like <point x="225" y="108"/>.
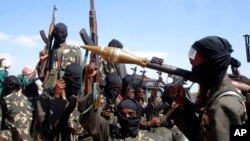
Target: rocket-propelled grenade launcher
<point x="120" y="56"/>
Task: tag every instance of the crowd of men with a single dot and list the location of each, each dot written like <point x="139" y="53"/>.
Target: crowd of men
<point x="71" y="108"/>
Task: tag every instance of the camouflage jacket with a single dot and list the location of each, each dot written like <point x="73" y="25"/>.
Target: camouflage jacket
<point x="108" y="67"/>
<point x="16" y="111"/>
<point x="63" y="56"/>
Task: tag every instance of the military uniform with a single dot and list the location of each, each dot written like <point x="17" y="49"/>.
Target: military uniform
<point x="16" y="111"/>
<point x="225" y="106"/>
<point x="108" y="67"/>
<point x="63" y="56"/>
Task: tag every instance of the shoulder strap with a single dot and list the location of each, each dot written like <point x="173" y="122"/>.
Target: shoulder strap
<point x="225" y="93"/>
<point x="230" y="92"/>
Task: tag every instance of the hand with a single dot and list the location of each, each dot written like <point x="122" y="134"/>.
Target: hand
<point x="59" y="88"/>
<point x="43" y="55"/>
<point x="91" y="70"/>
<point x="106" y="113"/>
<point x="130" y="93"/>
<point x="177" y="94"/>
<point x="155" y="121"/>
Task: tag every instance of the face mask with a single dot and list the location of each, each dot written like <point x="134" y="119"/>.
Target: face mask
<point x="115" y="91"/>
<point x="73" y="85"/>
<point x="112" y="93"/>
<point x="60" y="34"/>
<point x="129" y="126"/>
<point x="207" y="74"/>
<point x="200" y="74"/>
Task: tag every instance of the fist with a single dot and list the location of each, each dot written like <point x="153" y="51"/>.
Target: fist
<point x="155" y="121"/>
<point x="59" y="88"/>
<point x="91" y="70"/>
<point x="43" y="55"/>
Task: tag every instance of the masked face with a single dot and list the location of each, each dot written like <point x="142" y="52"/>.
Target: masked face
<point x="112" y="92"/>
<point x="198" y="68"/>
<point x="72" y="79"/>
<point x="129" y="114"/>
<point x="200" y="73"/>
<point x="72" y="88"/>
<point x="129" y="121"/>
<point x="205" y="72"/>
<point x="60" y="33"/>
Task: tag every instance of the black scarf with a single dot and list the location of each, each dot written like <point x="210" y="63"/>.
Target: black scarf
<point x="129" y="126"/>
<point x="60" y="33"/>
<point x="217" y="50"/>
<point x="72" y="79"/>
<point x="111" y="92"/>
<point x="10" y="84"/>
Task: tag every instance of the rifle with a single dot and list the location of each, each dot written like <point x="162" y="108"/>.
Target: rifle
<point x="154" y="92"/>
<point x="48" y="41"/>
<point x="92" y="86"/>
<point x="141" y="82"/>
<point x="130" y="83"/>
<point x="247" y="46"/>
<point x="155" y="106"/>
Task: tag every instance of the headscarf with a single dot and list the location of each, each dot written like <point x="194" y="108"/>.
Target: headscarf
<point x="60" y="33"/>
<point x="10" y="84"/>
<point x="217" y="51"/>
<point x="115" y="43"/>
<point x="129" y="126"/>
<point x="23" y="81"/>
<point x="130" y="81"/>
<point x="113" y="79"/>
<point x="235" y="63"/>
<point x="72" y="79"/>
<point x="110" y="92"/>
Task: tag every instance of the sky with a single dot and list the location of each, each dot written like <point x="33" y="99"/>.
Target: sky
<point x="147" y="28"/>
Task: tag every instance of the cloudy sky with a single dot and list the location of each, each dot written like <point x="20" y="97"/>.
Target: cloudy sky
<point x="162" y="28"/>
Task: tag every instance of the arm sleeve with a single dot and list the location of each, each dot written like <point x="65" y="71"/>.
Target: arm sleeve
<point x="42" y="108"/>
<point x="228" y="110"/>
<point x="57" y="107"/>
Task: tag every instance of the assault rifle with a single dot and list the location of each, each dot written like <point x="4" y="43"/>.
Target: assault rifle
<point x="92" y="86"/>
<point x="139" y="89"/>
<point x="154" y="105"/>
<point x="48" y="41"/>
<point x="131" y="81"/>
